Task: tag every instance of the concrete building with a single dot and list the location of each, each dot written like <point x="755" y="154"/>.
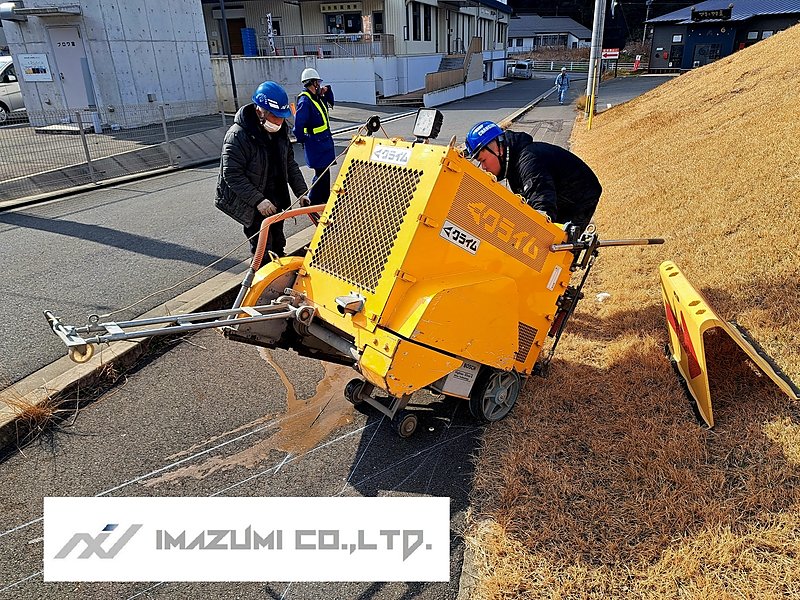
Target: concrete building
<point x="369" y="49"/>
<point x="529" y="32"/>
<point x="117" y="61"/>
<point x="700" y="34"/>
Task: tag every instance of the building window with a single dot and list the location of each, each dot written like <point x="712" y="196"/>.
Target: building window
<point x="377" y="22"/>
<point x="518" y="42"/>
<point x="752" y="35"/>
<point x="426" y="14"/>
<point x="415" y="25"/>
<point x="343" y="22"/>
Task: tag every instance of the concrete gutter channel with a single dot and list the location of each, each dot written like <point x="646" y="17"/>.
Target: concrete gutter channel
<point x="64" y="379"/>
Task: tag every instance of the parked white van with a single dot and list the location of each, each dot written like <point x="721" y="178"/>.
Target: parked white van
<point x="10" y="96"/>
<point x="520" y="69"/>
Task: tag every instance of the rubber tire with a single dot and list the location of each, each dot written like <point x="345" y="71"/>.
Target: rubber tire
<point x="494" y="394"/>
<point x="405" y="423"/>
<point x="4" y="114"/>
<point x="352" y="391"/>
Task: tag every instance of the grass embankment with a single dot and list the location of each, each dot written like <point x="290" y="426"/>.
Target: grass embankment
<point x="601" y="484"/>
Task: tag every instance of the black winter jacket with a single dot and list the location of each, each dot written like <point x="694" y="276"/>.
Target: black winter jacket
<point x="551" y="179"/>
<point x="243" y="167"/>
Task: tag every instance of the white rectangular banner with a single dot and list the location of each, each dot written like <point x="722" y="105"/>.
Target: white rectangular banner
<point x="247" y="539"/>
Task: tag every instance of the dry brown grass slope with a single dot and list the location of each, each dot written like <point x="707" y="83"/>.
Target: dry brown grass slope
<point x="601" y="484"/>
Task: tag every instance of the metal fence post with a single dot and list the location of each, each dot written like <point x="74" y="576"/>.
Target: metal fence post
<point x="166" y="134"/>
<point x="85" y="146"/>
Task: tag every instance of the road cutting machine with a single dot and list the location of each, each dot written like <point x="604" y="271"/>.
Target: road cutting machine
<point x="423" y="272"/>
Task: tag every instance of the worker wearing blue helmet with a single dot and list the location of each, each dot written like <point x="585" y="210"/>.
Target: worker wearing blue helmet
<point x="551" y="179"/>
<point x="257" y="166"/>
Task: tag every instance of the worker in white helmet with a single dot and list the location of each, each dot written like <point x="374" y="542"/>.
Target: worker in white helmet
<point x="312" y="129"/>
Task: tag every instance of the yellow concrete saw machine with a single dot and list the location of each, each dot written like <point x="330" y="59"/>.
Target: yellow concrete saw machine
<point x="424" y="272"/>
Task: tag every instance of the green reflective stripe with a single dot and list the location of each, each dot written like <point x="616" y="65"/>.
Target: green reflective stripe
<point x="321" y="110"/>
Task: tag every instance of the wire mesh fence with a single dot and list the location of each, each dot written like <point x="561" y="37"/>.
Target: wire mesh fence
<point x="57" y="149"/>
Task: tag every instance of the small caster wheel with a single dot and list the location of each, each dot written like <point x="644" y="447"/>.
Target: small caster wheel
<point x="352" y="391"/>
<point x="404" y="423"/>
<point x="81" y="354"/>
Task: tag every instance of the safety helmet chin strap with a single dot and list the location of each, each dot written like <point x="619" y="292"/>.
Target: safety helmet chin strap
<point x="501" y="158"/>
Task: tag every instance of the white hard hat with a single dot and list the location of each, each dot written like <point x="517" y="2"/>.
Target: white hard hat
<point x="309" y="74"/>
<point x="563" y="68"/>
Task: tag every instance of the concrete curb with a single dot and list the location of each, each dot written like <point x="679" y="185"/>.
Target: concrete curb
<point x="517" y="114"/>
<point x="63" y="377"/>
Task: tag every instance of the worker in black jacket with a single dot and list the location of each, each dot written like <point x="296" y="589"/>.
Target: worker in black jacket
<point x="258" y="164"/>
<point x="551" y="179"/>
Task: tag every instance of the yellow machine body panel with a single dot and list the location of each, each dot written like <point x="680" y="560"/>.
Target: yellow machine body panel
<point x="409" y="368"/>
<point x="442" y="254"/>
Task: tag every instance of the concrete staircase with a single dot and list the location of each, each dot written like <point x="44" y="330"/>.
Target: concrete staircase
<point x="452" y="61"/>
<point x="414" y="99"/>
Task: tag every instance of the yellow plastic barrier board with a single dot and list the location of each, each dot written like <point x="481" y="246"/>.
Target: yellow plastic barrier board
<point x="689" y="316"/>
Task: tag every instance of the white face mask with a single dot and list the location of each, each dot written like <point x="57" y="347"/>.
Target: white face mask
<point x="271" y="127"/>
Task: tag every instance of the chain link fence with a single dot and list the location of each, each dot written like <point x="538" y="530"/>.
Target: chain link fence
<point x="55" y="150"/>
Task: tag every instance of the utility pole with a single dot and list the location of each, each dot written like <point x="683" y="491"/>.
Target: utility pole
<point x="597" y="47"/>
<point x="227" y="42"/>
<point x="646" y="17"/>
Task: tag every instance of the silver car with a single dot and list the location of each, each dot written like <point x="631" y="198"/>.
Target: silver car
<point x="520" y="69"/>
<point x="10" y="96"/>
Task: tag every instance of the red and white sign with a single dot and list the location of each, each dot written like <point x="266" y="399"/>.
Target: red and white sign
<point x="607" y="53"/>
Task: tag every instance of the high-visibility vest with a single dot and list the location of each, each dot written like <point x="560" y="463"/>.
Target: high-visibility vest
<point x="322" y="111"/>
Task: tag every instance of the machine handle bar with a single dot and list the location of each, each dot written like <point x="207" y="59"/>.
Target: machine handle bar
<point x="606" y="244"/>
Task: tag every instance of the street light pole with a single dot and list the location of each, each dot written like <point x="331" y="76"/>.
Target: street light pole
<point x="597" y="46"/>
<point x="227" y="42"/>
<point x="646" y="18"/>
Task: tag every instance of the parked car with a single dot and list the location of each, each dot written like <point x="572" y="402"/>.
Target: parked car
<point x="10" y="96"/>
<point x="520" y="69"/>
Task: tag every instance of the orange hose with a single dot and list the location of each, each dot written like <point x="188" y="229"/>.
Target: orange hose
<point x="263" y="234"/>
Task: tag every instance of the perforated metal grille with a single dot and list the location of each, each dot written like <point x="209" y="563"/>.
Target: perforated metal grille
<point x="489" y="217"/>
<point x="363" y="226"/>
<point x="527" y="335"/>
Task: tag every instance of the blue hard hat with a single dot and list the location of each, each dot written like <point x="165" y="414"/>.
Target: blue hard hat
<point x="272" y="97"/>
<point x="480" y="135"/>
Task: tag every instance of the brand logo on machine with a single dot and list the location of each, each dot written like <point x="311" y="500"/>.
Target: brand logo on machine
<point x="94" y="544"/>
<point x="455" y="235"/>
<point x="504" y="229"/>
<point x="392" y="156"/>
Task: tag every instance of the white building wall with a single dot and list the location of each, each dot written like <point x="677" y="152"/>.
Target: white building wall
<point x="132" y="50"/>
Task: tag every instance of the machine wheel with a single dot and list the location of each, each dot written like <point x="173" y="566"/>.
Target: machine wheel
<point x="352" y="391"/>
<point x="78" y="356"/>
<point x="404" y="423"/>
<point x="494" y="395"/>
<point x="4" y="114"/>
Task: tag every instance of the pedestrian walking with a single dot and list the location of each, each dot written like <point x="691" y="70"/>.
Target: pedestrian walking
<point x="257" y="166"/>
<point x="562" y="85"/>
<point x="551" y="179"/>
<point x="312" y="129"/>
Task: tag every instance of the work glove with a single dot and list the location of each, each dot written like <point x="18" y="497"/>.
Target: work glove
<point x="304" y="200"/>
<point x="266" y="208"/>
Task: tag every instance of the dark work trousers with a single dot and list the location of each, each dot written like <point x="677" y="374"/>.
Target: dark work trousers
<point x="321" y="186"/>
<point x="276" y="242"/>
